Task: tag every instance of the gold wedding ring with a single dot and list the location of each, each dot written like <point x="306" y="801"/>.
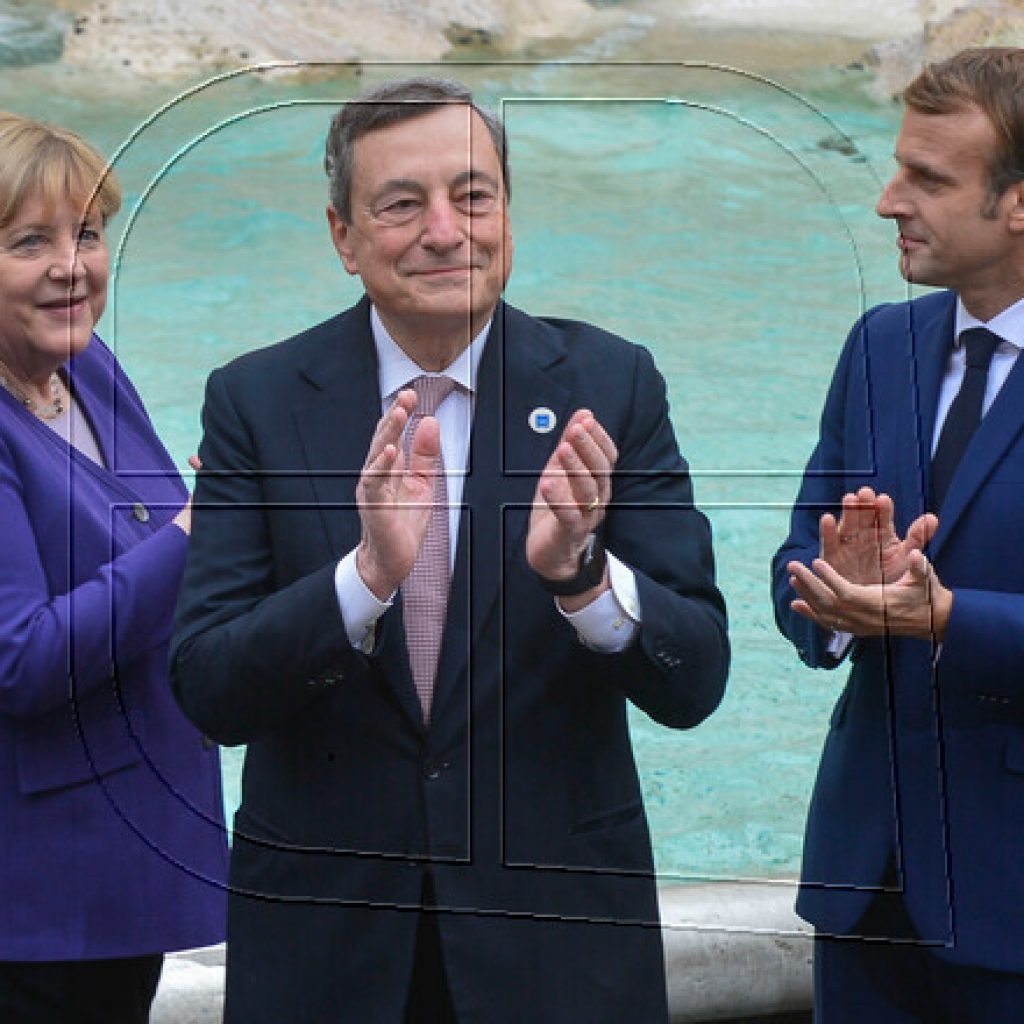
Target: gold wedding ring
<point x="594" y="505"/>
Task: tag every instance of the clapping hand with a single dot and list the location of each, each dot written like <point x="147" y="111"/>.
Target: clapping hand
<point x="570" y="501"/>
<point x="395" y="499"/>
<point x="868" y="581"/>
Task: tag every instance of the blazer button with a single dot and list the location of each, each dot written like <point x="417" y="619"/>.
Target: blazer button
<point x="431" y="770"/>
<point x="140" y="512"/>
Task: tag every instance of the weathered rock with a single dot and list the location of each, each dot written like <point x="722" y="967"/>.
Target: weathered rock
<point x="173" y="38"/>
<point x="984" y="23"/>
<point x="168" y="39"/>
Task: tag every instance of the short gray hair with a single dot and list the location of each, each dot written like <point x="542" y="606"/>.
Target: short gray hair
<point x="391" y="103"/>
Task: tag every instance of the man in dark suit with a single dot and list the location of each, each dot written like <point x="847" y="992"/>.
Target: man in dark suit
<point x="427" y="629"/>
<point x="904" y="554"/>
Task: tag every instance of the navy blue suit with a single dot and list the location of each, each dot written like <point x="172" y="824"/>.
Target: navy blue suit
<point x="924" y="764"/>
<point x="523" y="792"/>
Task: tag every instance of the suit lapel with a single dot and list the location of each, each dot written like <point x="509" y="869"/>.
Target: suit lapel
<point x="97" y="396"/>
<point x="103" y="397"/>
<point x="520" y="371"/>
<point x="335" y="422"/>
<point x="930" y="339"/>
<point x="1000" y="427"/>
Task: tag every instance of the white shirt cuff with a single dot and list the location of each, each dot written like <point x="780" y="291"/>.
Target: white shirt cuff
<point x="359" y="606"/>
<point x="610" y="622"/>
<point x="838" y="643"/>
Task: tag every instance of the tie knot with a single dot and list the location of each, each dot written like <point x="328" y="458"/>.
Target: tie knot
<point x="430" y="393"/>
<point x="979" y="344"/>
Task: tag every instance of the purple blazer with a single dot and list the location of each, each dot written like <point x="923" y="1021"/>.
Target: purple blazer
<point x="112" y="840"/>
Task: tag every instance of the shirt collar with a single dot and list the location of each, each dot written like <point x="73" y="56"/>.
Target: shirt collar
<point x="1009" y="324"/>
<point x="396" y="368"/>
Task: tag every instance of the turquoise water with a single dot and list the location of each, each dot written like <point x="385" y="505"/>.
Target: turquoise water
<point x="725" y="223"/>
<point x="30" y="33"/>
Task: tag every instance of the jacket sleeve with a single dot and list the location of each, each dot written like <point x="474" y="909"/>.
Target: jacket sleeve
<point x="676" y="671"/>
<point x="56" y="646"/>
<point x="247" y="654"/>
<point x="821" y="490"/>
<point x="983" y="648"/>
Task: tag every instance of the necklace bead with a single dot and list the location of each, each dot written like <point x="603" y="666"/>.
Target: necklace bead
<point x="14" y="387"/>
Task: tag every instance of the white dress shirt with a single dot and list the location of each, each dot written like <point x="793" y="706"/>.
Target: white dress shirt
<point x="1008" y="325"/>
<point x="608" y="624"/>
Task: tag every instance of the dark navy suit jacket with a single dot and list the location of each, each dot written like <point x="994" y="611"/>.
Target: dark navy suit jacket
<point x="925" y="763"/>
<point x="522" y="793"/>
<point x="111" y="835"/>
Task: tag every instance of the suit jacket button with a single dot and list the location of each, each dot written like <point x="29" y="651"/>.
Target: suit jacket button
<point x="431" y="770"/>
<point x="140" y="512"/>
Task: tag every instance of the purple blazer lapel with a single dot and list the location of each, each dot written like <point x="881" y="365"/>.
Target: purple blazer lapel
<point x="138" y="467"/>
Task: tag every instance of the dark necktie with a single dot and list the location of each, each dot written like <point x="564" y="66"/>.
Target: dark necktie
<point x="425" y="590"/>
<point x="964" y="414"/>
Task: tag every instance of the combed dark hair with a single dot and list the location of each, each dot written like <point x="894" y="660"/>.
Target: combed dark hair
<point x="391" y="103"/>
<point x="992" y="78"/>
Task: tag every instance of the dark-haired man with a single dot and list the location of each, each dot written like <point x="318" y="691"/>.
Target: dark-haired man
<point x="904" y="554"/>
<point x="427" y="628"/>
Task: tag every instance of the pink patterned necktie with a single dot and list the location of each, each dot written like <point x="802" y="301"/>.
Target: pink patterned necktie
<point x="425" y="590"/>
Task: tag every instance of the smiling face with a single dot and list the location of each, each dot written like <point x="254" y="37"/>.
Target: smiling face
<point x="953" y="232"/>
<point x="53" y="285"/>
<point x="429" y="232"/>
